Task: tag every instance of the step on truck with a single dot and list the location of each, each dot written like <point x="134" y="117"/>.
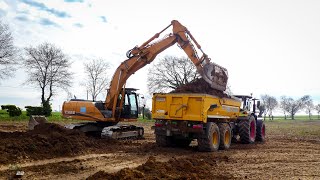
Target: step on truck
<point x="213" y="121"/>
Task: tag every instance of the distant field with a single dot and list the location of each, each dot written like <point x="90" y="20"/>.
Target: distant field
<point x="56" y="116"/>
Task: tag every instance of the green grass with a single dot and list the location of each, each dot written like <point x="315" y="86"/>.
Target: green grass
<point x="297" y="117"/>
<point x="294" y="128"/>
<point x="4" y="116"/>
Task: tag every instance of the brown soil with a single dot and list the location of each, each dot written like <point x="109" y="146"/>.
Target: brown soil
<point x="196" y="167"/>
<point x="199" y="86"/>
<point x="45" y="141"/>
<point x="292" y="151"/>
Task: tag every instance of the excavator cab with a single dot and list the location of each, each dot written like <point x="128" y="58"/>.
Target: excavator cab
<point x="130" y="104"/>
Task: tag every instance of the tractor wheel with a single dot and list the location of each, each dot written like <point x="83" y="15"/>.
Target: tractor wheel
<point x="225" y="136"/>
<point x="247" y="130"/>
<point x="163" y="141"/>
<point x="211" y="139"/>
<point x="261" y="131"/>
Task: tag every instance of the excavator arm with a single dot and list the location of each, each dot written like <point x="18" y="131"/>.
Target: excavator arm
<point x="140" y="56"/>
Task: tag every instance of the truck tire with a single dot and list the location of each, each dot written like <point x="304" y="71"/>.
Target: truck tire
<point x="163" y="141"/>
<point x="225" y="136"/>
<point x="210" y="141"/>
<point x="247" y="130"/>
<point x="261" y="131"/>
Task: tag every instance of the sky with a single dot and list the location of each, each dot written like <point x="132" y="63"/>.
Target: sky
<point x="268" y="46"/>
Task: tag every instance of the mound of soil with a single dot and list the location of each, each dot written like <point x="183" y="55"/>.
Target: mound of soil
<point x="185" y="168"/>
<point x="199" y="86"/>
<point x="45" y="141"/>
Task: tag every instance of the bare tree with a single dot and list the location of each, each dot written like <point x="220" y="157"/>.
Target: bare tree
<point x="317" y="108"/>
<point x="292" y="106"/>
<point x="8" y="52"/>
<point x="270" y="103"/>
<point x="96" y="77"/>
<point x="48" y="68"/>
<point x="284" y="105"/>
<point x="170" y="73"/>
<point x="309" y="107"/>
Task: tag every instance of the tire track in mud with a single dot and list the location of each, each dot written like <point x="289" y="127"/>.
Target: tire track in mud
<point x="78" y="167"/>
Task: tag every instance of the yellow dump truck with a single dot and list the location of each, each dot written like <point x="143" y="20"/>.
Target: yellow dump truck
<point x="214" y="121"/>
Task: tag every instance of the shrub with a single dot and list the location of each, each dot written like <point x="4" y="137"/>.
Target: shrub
<point x="34" y="110"/>
<point x="12" y="110"/>
<point x="147" y="113"/>
<point x="37" y="110"/>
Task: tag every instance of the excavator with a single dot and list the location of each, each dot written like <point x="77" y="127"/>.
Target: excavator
<point x="121" y="103"/>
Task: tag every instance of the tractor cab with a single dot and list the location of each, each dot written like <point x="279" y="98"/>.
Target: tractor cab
<point x="249" y="105"/>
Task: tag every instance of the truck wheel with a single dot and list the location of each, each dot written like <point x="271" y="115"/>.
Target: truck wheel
<point x="247" y="130"/>
<point x="211" y="139"/>
<point x="225" y="136"/>
<point x="261" y="131"/>
<point x="163" y="141"/>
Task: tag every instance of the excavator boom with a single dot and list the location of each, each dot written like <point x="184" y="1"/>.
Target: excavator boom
<point x="214" y="74"/>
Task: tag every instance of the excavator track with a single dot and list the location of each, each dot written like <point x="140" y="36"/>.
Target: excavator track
<point x="119" y="131"/>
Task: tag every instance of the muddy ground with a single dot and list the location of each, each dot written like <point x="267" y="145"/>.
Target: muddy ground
<point x="291" y="151"/>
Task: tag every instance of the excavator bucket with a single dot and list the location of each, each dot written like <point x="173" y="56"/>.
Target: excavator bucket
<point x="215" y="75"/>
<point x="35" y="120"/>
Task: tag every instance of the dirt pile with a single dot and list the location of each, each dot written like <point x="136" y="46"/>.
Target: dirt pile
<point x="45" y="141"/>
<point x="197" y="167"/>
<point x="199" y="86"/>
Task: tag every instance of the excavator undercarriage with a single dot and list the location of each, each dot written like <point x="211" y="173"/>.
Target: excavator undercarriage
<point x="109" y="130"/>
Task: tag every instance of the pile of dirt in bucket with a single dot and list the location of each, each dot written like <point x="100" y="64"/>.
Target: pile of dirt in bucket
<point x="45" y="141"/>
<point x="199" y="86"/>
<point x="184" y="168"/>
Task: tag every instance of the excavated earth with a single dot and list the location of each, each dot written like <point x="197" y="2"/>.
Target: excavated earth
<point x="291" y="151"/>
<point x="199" y="86"/>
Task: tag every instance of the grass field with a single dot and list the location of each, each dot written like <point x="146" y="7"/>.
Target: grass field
<point x="4" y="116"/>
<point x="56" y="116"/>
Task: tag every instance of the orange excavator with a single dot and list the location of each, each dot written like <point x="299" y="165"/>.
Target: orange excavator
<point x="121" y="103"/>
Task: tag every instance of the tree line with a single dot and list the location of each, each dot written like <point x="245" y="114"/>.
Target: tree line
<point x="287" y="105"/>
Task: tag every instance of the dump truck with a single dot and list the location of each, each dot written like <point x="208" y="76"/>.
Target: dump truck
<point x="212" y="120"/>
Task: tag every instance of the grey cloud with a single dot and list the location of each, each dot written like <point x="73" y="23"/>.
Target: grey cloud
<point x="79" y="25"/>
<point x="104" y="19"/>
<point x="22" y="18"/>
<point x="48" y="22"/>
<point x="43" y="7"/>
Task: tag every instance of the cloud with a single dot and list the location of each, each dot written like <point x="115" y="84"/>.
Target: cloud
<point x="104" y="19"/>
<point x="22" y="18"/>
<point x="79" y="25"/>
<point x="73" y="1"/>
<point x="2" y="13"/>
<point x="48" y="22"/>
<point x="43" y="7"/>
